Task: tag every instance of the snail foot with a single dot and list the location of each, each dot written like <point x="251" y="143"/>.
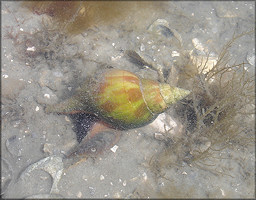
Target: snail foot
<point x="98" y="139"/>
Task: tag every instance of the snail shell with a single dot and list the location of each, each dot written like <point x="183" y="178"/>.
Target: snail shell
<point x="121" y="98"/>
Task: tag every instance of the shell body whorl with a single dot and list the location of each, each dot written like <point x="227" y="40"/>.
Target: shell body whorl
<point x="121" y="98"/>
<point x="118" y="99"/>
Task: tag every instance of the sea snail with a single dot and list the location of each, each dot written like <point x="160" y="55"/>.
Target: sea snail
<point x="121" y="99"/>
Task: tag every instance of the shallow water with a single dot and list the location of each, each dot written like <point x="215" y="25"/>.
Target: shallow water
<point x="30" y="79"/>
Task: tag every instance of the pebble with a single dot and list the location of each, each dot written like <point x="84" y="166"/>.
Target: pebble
<point x="31" y="48"/>
<point x="37" y="108"/>
<point x="67" y="119"/>
<point x="124" y="183"/>
<point x="222" y="192"/>
<point x="115" y="58"/>
<point x="84" y="178"/>
<point x="47" y="96"/>
<point x="142" y="47"/>
<point x="251" y="58"/>
<point x="48" y="148"/>
<point x="102" y="177"/>
<point x="79" y="194"/>
<point x="162" y="184"/>
<point x="184" y="173"/>
<point x="114" y="148"/>
<point x="145" y="177"/>
<point x="175" y="54"/>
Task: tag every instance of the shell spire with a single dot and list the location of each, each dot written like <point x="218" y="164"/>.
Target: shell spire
<point x="159" y="96"/>
<point x="172" y="94"/>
